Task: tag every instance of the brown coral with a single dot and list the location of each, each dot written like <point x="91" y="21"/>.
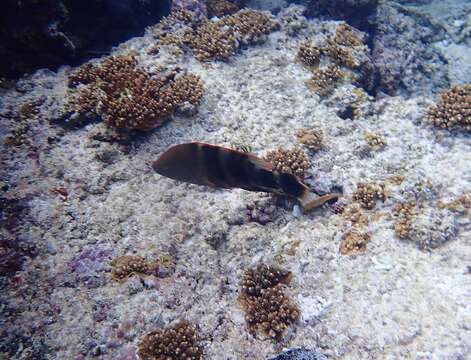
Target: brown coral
<point x="347" y="36"/>
<point x="341" y="55"/>
<point x="126" y="265"/>
<point x="269" y="310"/>
<point x="404" y="213"/>
<point x="220" y="39"/>
<point x="355" y="215"/>
<point x="292" y="161"/>
<point x="453" y="108"/>
<point x="374" y="140"/>
<point x="308" y="54"/>
<point x="130" y="98"/>
<point x="355" y="242"/>
<point x="220" y="8"/>
<point x="323" y="79"/>
<point x="178" y="342"/>
<point x="311" y="138"/>
<point x="367" y="194"/>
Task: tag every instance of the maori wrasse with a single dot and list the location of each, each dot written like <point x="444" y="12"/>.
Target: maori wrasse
<point x="216" y="166"/>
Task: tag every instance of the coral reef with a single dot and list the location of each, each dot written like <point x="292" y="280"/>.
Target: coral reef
<point x="128" y="97"/>
<point x="269" y="310"/>
<point x="323" y="79"/>
<point x="293" y="161"/>
<point x="420" y="68"/>
<point x="367" y="194"/>
<point x="428" y="227"/>
<point x="126" y="265"/>
<point x="218" y="38"/>
<point x="347" y="36"/>
<point x="354" y="242"/>
<point x="177" y="342"/>
<point x="404" y="214"/>
<point x="375" y="140"/>
<point x="308" y="54"/>
<point x="220" y="8"/>
<point x="221" y="38"/>
<point x="313" y="139"/>
<point x="453" y="109"/>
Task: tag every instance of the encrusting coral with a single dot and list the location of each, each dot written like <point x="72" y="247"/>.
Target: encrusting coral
<point x="367" y="194"/>
<point x="178" y="342"/>
<point x="293" y="161"/>
<point x="127" y="97"/>
<point x="126" y="265"/>
<point x="269" y="310"/>
<point x="453" y="109"/>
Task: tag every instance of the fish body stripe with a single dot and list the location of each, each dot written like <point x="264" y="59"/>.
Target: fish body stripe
<point x="291" y="185"/>
<point x="210" y="158"/>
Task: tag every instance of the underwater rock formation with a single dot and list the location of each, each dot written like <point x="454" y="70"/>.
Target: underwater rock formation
<point x="36" y="34"/>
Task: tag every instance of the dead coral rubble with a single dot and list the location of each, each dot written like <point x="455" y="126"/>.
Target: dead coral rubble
<point x="453" y="108"/>
<point x="269" y="310"/>
<point x="127" y="97"/>
<point x="293" y="161"/>
<point x="178" y="342"/>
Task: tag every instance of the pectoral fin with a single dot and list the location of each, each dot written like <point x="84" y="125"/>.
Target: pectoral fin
<point x="311" y="201"/>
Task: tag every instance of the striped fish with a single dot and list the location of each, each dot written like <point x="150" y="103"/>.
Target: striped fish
<point x="216" y="166"/>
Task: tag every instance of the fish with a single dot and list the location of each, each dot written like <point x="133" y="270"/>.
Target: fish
<point x="219" y="167"/>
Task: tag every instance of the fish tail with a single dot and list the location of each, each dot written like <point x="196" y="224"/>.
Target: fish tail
<point x="310" y="201"/>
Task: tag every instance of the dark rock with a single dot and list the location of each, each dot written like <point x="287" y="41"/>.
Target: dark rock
<point x="300" y="354"/>
<point x="36" y="34"/>
<point x="358" y="13"/>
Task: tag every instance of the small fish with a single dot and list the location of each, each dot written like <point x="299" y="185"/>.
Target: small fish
<point x="216" y="166"/>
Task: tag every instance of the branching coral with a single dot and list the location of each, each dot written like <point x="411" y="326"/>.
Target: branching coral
<point x="308" y="54"/>
<point x="216" y="38"/>
<point x="313" y="139"/>
<point x="220" y="8"/>
<point x="404" y="213"/>
<point x="453" y="108"/>
<point x="367" y="194"/>
<point x="269" y="310"/>
<point x="355" y="242"/>
<point x="292" y="161"/>
<point x="341" y="55"/>
<point x="374" y="140"/>
<point x="220" y="39"/>
<point x="178" y="342"/>
<point x="347" y="36"/>
<point x="127" y="97"/>
<point x="323" y="79"/>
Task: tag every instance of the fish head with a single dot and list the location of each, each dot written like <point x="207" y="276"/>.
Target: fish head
<point x="182" y="163"/>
